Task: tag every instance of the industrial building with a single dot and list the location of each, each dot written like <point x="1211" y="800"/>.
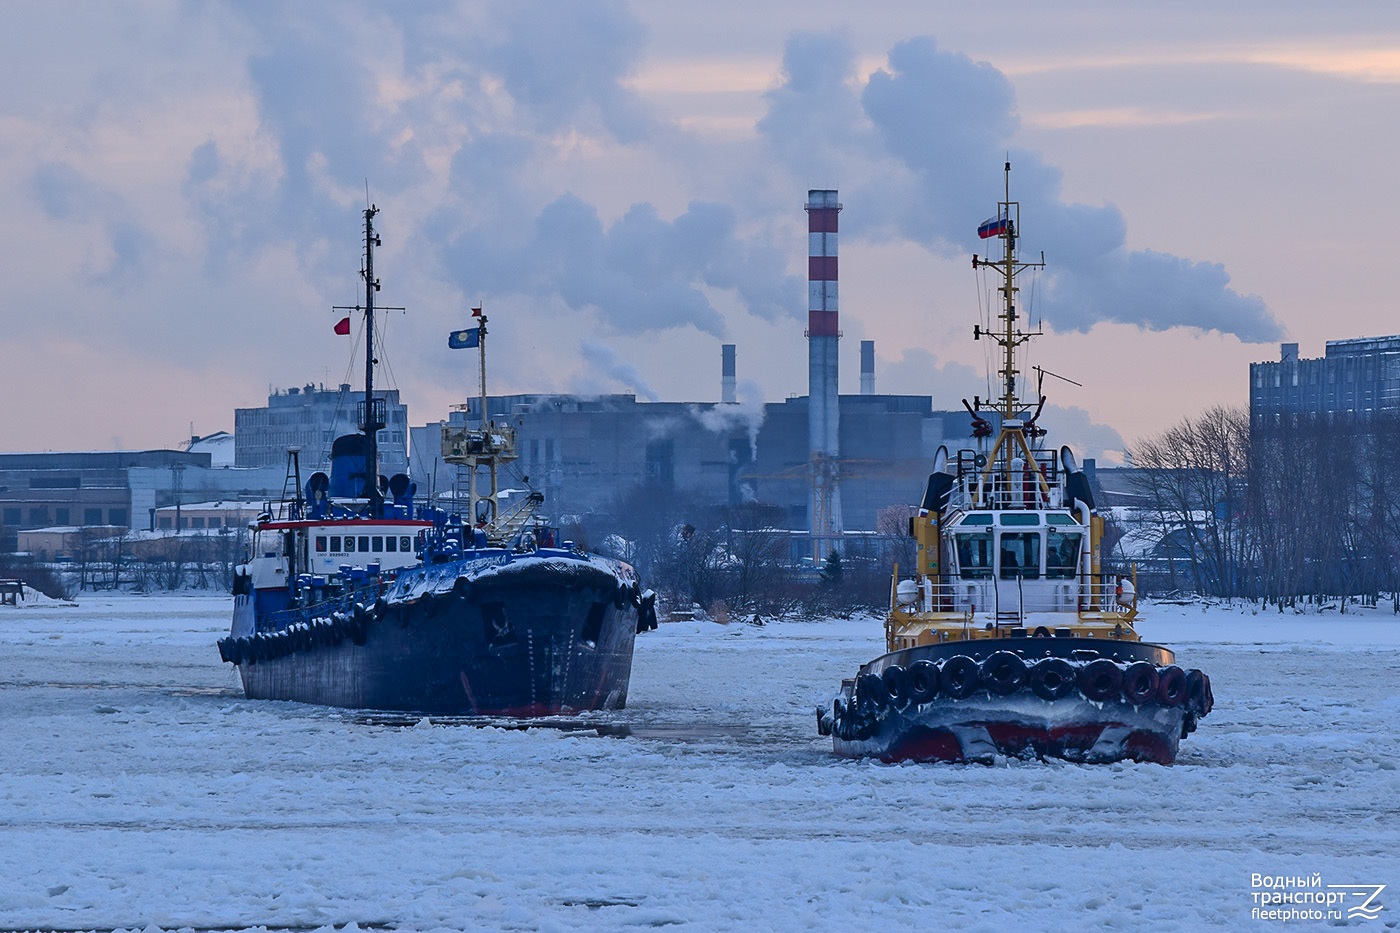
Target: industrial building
<point x="310" y="418"/>
<point x="1356" y="380"/>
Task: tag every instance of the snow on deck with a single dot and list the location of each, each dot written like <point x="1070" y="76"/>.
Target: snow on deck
<point x="140" y="789"/>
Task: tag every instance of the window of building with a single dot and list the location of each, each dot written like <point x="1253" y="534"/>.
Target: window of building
<point x="38" y="516"/>
<point x="215" y="522"/>
<point x="55" y="482"/>
<point x="196" y="522"/>
<point x="164" y="523"/>
<point x="60" y="516"/>
<point x="92" y="516"/>
<point x="12" y="516"/>
<point x="117" y="517"/>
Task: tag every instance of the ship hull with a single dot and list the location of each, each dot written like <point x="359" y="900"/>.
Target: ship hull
<point x="531" y="638"/>
<point x="1021" y="697"/>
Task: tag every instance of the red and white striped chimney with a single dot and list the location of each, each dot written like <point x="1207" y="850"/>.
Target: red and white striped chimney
<point x="823" y="335"/>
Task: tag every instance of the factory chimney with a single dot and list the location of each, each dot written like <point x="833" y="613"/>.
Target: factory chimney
<point x="867" y="367"/>
<point x="823" y="334"/>
<point x="726" y="376"/>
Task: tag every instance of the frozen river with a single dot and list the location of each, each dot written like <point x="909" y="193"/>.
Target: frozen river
<point x="141" y="790"/>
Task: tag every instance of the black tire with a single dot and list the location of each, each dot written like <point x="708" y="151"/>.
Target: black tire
<point x="1051" y="678"/>
<point x="1171" y="686"/>
<point x="1196" y="692"/>
<point x="896" y="683"/>
<point x="1040" y="632"/>
<point x="1139" y="683"/>
<point x="959" y="677"/>
<point x="1004" y="672"/>
<point x="871" y="696"/>
<point x="923" y="682"/>
<point x="1100" y="680"/>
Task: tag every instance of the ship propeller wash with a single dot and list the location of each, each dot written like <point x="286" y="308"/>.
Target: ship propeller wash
<point x="1008" y="638"/>
<point x="357" y="595"/>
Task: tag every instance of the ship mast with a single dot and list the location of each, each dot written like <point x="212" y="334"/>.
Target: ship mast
<point x="370" y="411"/>
<point x="1008" y="336"/>
<point x="1011" y="444"/>
<point x="371" y="416"/>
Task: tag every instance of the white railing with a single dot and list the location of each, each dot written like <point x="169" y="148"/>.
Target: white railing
<point x="1003" y="597"/>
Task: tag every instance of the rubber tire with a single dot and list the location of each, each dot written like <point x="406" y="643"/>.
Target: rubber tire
<point x="959" y="677"/>
<point x="896" y="683"/>
<point x="871" y="696"/>
<point x="924" y="682"/>
<point x="1171" y="686"/>
<point x="1051" y="678"/>
<point x="1139" y="683"/>
<point x="1004" y="672"/>
<point x="1099" y="680"/>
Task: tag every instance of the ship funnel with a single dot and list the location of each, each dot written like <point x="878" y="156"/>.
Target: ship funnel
<point x="350" y="466"/>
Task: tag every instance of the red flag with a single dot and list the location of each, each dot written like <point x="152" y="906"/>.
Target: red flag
<point x="342" y="327"/>
<point x="476" y="312"/>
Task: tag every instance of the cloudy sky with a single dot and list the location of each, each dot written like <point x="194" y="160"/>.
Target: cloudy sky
<point x="621" y="185"/>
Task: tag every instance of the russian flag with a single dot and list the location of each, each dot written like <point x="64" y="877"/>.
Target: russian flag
<point x="993" y="226"/>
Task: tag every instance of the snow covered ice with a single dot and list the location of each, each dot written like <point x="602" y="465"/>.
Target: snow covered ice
<point x="140" y="790"/>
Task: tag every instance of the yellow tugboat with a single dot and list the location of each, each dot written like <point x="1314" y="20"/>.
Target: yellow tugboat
<point x="1008" y="638"/>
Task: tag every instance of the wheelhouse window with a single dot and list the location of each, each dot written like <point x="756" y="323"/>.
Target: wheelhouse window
<point x="335" y="543"/>
<point x="1020" y="554"/>
<point x="378" y="544"/>
<point x="974" y="554"/>
<point x="364" y="544"/>
<point x="1061" y="554"/>
<point x="391" y="544"/>
<point x="320" y="544"/>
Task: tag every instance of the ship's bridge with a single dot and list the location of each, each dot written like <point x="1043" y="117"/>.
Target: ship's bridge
<point x="1025" y="544"/>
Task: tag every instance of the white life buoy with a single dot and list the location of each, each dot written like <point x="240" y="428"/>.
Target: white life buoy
<point x="1126" y="595"/>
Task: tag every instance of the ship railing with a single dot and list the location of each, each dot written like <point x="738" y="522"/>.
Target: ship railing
<point x="344" y="601"/>
<point x="1003" y="491"/>
<point x="1109" y="592"/>
<point x="1006" y="597"/>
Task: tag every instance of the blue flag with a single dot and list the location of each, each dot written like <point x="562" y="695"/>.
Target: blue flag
<point x="464" y="339"/>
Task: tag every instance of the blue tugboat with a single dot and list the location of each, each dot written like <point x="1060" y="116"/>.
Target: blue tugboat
<point x="1008" y="638"/>
<point x="357" y="596"/>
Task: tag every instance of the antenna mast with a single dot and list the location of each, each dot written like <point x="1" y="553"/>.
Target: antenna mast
<point x="1008" y="336"/>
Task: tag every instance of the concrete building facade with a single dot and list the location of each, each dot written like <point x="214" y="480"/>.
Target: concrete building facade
<point x="310" y="418"/>
<point x="1356" y="380"/>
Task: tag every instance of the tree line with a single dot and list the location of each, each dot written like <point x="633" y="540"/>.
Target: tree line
<point x="1285" y="514"/>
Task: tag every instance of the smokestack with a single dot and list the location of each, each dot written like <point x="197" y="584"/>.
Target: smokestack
<point x="867" y="367"/>
<point x="823" y="333"/>
<point x="726" y="375"/>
